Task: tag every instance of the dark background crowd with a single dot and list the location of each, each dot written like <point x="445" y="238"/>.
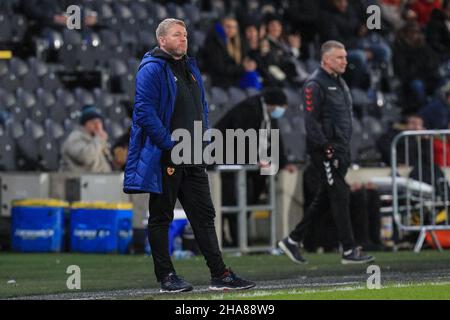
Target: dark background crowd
<point x="241" y="47"/>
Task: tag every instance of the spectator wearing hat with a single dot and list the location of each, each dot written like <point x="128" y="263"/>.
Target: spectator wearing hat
<point x="86" y="148"/>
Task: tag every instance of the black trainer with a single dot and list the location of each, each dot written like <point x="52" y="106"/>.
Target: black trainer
<point x="356" y="256"/>
<point x="229" y="281"/>
<point x="173" y="283"/>
<point x="292" y="251"/>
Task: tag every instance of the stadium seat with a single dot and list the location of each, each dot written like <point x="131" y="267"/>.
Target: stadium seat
<point x="139" y="11"/>
<point x="5" y="28"/>
<point x="114" y="129"/>
<point x="176" y="11"/>
<point x="7" y="99"/>
<point x="103" y="100"/>
<point x="26" y="101"/>
<point x="68" y="57"/>
<point x="147" y="39"/>
<point x="38" y="67"/>
<point x="48" y="153"/>
<point x="116" y="112"/>
<point x="50" y="81"/>
<point x="86" y="57"/>
<point x="7" y="152"/>
<point x="18" y="27"/>
<point x="192" y="12"/>
<point x="84" y="97"/>
<point x="236" y="95"/>
<point x="30" y="81"/>
<point x="72" y="37"/>
<point x="18" y="67"/>
<point x="218" y="96"/>
<point x="158" y="10"/>
<point x="54" y="129"/>
<point x="252" y="92"/>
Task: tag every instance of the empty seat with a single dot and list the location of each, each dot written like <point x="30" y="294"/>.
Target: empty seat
<point x="48" y="153"/>
<point x="50" y="81"/>
<point x="84" y="97"/>
<point x="7" y="152"/>
<point x="68" y="57"/>
<point x="72" y="37"/>
<point x="18" y="27"/>
<point x="114" y="129"/>
<point x="116" y="112"/>
<point x="86" y="57"/>
<point x="103" y="100"/>
<point x="5" y="28"/>
<point x="139" y="11"/>
<point x="218" y="96"/>
<point x="236" y="95"/>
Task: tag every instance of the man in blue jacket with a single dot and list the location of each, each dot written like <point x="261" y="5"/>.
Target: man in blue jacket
<point x="170" y="96"/>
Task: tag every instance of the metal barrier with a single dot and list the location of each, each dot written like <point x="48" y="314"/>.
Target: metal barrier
<point x="242" y="208"/>
<point x="417" y="199"/>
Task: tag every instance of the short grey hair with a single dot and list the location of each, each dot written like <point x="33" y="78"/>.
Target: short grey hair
<point x="165" y="25"/>
<point x="330" y="45"/>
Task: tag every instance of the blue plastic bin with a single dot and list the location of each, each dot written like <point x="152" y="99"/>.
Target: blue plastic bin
<point x="37" y="225"/>
<point x="100" y="227"/>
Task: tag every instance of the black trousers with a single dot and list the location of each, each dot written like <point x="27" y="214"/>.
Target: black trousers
<point x="333" y="194"/>
<point x="190" y="185"/>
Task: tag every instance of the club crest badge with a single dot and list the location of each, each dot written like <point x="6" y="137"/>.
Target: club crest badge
<point x="170" y="171"/>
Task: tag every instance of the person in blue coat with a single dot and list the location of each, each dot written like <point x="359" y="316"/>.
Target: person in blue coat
<point x="170" y="95"/>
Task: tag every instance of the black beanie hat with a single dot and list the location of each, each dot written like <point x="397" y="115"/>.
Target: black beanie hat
<point x="274" y="96"/>
<point x="88" y="113"/>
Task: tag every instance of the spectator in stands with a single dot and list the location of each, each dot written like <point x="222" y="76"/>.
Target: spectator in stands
<point x="416" y="65"/>
<point x="278" y="57"/>
<point x="396" y="13"/>
<point x="412" y="122"/>
<point x="223" y="56"/>
<point x="423" y="9"/>
<point x="304" y="17"/>
<point x="343" y="24"/>
<point x="294" y="43"/>
<point x="86" y="148"/>
<point x="438" y="31"/>
<point x="436" y="114"/>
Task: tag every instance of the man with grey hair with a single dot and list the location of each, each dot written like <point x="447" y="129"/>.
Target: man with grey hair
<point x="328" y="120"/>
<point x="170" y="95"/>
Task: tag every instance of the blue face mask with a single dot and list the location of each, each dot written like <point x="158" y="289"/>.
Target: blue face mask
<point x="277" y="112"/>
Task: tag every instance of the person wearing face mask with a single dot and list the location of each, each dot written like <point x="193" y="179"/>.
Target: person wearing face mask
<point x="261" y="111"/>
<point x="328" y="121"/>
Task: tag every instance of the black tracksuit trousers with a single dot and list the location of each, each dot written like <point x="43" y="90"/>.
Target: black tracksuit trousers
<point x="334" y="194"/>
<point x="191" y="186"/>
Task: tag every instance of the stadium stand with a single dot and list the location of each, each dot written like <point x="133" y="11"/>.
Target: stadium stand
<point x="55" y="71"/>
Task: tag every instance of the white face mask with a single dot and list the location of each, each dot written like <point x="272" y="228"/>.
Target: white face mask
<point x="277" y="112"/>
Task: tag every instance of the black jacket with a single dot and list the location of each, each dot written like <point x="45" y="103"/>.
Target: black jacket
<point x="220" y="66"/>
<point x="438" y="35"/>
<point x="246" y="115"/>
<point x="328" y="112"/>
